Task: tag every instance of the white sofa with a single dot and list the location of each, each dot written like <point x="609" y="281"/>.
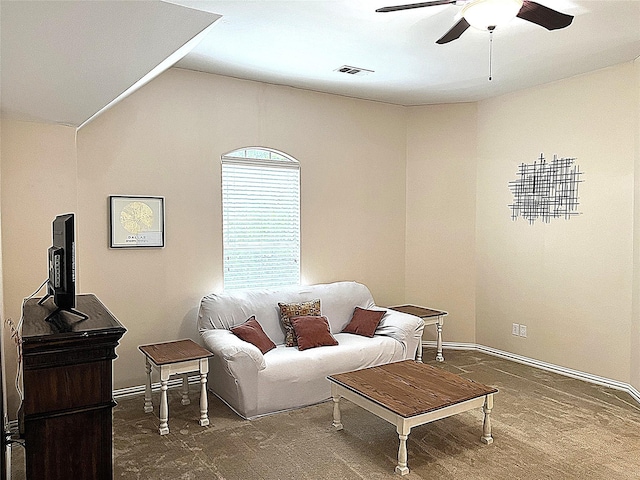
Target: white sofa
<point x="254" y="384"/>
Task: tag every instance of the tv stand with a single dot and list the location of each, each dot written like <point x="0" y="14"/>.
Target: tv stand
<point x="72" y="311"/>
<point x="68" y="400"/>
<point x="61" y="309"/>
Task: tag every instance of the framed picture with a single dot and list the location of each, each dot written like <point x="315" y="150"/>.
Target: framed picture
<point x="136" y="221"/>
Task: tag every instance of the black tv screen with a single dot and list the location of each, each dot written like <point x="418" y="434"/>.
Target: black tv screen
<point x="62" y="263"/>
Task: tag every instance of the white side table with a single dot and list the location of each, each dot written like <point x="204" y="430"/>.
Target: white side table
<point x="430" y="317"/>
<point x="172" y="358"/>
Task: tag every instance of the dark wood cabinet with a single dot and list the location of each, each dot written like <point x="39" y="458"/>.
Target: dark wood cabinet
<point x="66" y="412"/>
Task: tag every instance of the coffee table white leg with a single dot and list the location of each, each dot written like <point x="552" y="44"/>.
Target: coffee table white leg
<point x="439" y="357"/>
<point x="148" y="405"/>
<point x="337" y="419"/>
<point x="403" y="435"/>
<point x="164" y="405"/>
<point x="185" y="390"/>
<point x="204" y="404"/>
<point x="486" y="426"/>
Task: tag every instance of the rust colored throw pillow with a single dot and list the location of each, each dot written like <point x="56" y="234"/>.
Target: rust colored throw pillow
<point x="312" y="331"/>
<point x="290" y="310"/>
<point x="251" y="331"/>
<point x="364" y="322"/>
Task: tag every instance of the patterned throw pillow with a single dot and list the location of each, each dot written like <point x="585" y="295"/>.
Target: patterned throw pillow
<point x="312" y="332"/>
<point x="289" y="310"/>
<point x="251" y="331"/>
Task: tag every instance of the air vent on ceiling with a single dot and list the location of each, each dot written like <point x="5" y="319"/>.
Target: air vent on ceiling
<point x="353" y="70"/>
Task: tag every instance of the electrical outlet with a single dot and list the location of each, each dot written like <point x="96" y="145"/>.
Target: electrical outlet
<point x="523" y="331"/>
<point x="515" y="329"/>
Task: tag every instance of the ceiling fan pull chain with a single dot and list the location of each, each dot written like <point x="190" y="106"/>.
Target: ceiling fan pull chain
<point x="491" y="52"/>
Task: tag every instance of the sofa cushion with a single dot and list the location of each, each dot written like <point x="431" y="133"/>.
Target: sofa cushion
<point x="312" y="331"/>
<point x="290" y="310"/>
<point x="251" y="331"/>
<point x="364" y="322"/>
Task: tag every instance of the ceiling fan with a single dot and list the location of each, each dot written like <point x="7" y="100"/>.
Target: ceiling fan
<point x="488" y="14"/>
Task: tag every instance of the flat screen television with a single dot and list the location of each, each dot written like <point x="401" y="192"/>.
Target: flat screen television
<point x="61" y="284"/>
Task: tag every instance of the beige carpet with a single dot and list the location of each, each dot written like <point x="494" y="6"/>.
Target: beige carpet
<point x="545" y="426"/>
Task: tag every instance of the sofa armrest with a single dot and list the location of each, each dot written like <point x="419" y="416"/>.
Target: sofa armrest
<point x="227" y="346"/>
<point x="405" y="328"/>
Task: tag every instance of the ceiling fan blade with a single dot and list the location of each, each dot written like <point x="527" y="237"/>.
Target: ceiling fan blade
<point x="415" y="5"/>
<point x="544" y="16"/>
<point x="454" y="32"/>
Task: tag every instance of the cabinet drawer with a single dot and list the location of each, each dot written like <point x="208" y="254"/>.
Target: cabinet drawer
<point x="66" y="387"/>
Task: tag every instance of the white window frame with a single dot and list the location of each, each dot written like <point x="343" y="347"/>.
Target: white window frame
<point x="255" y="254"/>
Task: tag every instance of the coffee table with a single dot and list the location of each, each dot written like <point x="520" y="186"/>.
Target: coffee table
<point x="408" y="394"/>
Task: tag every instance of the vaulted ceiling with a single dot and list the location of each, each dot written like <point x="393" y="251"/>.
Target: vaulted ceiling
<point x="65" y="61"/>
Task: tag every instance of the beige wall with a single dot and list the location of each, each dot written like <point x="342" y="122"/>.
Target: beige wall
<point x="441" y="196"/>
<point x="38" y="181"/>
<point x="635" y="321"/>
<point x="370" y="173"/>
<point x="569" y="281"/>
<point x="167" y="139"/>
<point x="2" y="329"/>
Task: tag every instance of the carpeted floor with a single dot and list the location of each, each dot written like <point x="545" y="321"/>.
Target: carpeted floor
<point x="545" y="426"/>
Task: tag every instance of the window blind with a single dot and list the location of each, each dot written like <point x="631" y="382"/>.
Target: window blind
<point x="261" y="222"/>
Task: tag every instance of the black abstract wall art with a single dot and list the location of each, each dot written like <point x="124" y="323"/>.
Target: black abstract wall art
<point x="543" y="191"/>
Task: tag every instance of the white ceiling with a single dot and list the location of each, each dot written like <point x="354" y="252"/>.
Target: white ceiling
<point x="301" y="43"/>
<point x="64" y="61"/>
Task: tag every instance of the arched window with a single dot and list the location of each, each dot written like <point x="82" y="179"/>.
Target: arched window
<point x="260" y="218"/>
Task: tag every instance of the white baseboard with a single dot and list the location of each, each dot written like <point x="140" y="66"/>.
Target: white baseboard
<point x="138" y="389"/>
<point x="568" y="372"/>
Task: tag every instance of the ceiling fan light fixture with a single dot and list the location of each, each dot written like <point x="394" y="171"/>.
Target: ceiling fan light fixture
<point x="482" y="14"/>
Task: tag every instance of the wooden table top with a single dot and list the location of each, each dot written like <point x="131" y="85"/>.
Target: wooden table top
<point x="421" y="312"/>
<point x="66" y="324"/>
<point x="174" y="352"/>
<point x="410" y="388"/>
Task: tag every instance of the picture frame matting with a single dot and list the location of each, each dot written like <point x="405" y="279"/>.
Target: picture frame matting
<point x="136" y="221"/>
